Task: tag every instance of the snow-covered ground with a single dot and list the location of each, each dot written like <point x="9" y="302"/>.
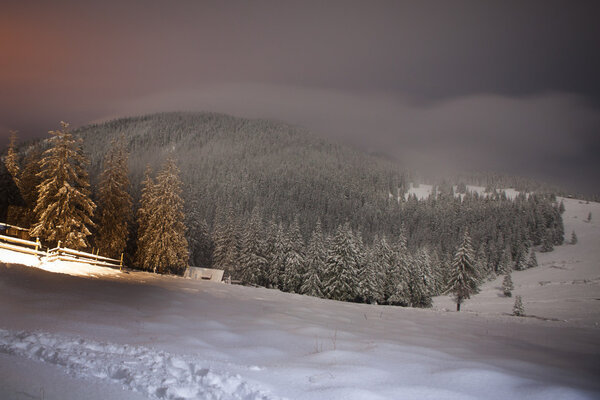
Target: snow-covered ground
<point x="423" y="191"/>
<point x="138" y="336"/>
<point x="565" y="286"/>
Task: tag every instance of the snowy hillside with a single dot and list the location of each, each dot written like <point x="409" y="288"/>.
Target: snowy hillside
<point x="143" y="336"/>
<point x="565" y="286"/>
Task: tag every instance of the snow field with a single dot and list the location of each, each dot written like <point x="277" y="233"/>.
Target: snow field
<point x="566" y="284"/>
<point x="156" y="374"/>
<point x="162" y="337"/>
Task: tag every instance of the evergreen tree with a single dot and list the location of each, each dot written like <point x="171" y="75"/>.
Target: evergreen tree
<point x="143" y="219"/>
<point x="547" y="242"/>
<point x="420" y="280"/>
<point x="29" y="183"/>
<point x="506" y="263"/>
<point x="589" y="217"/>
<point x="114" y="202"/>
<point x="165" y="246"/>
<point x="11" y="163"/>
<point x="315" y="263"/>
<point x="198" y="236"/>
<point x="532" y="262"/>
<point x="64" y="209"/>
<point x="341" y="266"/>
<point x="252" y="261"/>
<point x="573" y="238"/>
<point x="225" y="241"/>
<point x="522" y="258"/>
<point x="518" y="308"/>
<point x="397" y="276"/>
<point x="295" y="267"/>
<point x="463" y="274"/>
<point x="277" y="256"/>
<point x="507" y="285"/>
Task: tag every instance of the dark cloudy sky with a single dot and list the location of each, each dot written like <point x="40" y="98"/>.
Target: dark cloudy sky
<point x="512" y="86"/>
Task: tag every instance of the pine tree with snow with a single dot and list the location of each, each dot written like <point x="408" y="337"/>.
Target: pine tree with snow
<point x="198" y="236"/>
<point x="226" y="246"/>
<point x="507" y="285"/>
<point x="252" y="260"/>
<point x="10" y="161"/>
<point x="114" y="202"/>
<point x="573" y="238"/>
<point x="29" y="182"/>
<point x="522" y="258"/>
<point x="463" y="275"/>
<point x="341" y="266"/>
<point x="315" y="263"/>
<point x="14" y="173"/>
<point x="64" y="208"/>
<point x="420" y="280"/>
<point x="518" y="308"/>
<point x="506" y="262"/>
<point x="295" y="267"/>
<point x="589" y="217"/>
<point x="532" y="262"/>
<point x="165" y="246"/>
<point x="397" y="288"/>
<point x="144" y="211"/>
<point x="547" y="245"/>
<point x="276" y="255"/>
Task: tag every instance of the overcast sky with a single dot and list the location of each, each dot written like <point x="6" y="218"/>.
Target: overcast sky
<point x="512" y="86"/>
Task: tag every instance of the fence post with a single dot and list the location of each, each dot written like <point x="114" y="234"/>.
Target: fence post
<point x="37" y="243"/>
<point x="121" y="264"/>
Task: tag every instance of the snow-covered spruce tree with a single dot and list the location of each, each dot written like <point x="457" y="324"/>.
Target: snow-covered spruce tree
<point x="463" y="274"/>
<point x="518" y="308"/>
<point x="420" y="280"/>
<point x="225" y="239"/>
<point x="64" y="208"/>
<point x="573" y="238"/>
<point x="114" y="202"/>
<point x="589" y="217"/>
<point x="198" y="236"/>
<point x="506" y="262"/>
<point x="315" y="263"/>
<point x="294" y="259"/>
<point x="507" y="285"/>
<point x="341" y="266"/>
<point x="29" y="182"/>
<point x="143" y="216"/>
<point x="11" y="163"/>
<point x="522" y="258"/>
<point x="372" y="273"/>
<point x="547" y="244"/>
<point x="165" y="246"/>
<point x="397" y="276"/>
<point x="252" y="260"/>
<point x="276" y="255"/>
<point x="532" y="261"/>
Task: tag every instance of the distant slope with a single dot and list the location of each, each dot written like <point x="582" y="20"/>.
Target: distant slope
<point x="241" y="162"/>
<point x="565" y="286"/>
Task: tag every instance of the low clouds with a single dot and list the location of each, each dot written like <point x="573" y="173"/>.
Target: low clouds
<point x="551" y="136"/>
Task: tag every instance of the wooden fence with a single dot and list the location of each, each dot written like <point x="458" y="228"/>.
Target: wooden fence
<point x="57" y="253"/>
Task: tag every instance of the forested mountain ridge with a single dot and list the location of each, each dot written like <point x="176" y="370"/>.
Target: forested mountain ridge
<point x="243" y="163"/>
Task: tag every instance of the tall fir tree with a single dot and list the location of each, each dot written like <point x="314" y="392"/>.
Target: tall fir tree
<point x="463" y="275"/>
<point x="315" y="263"/>
<point x="29" y="183"/>
<point x="165" y="246"/>
<point x="252" y="259"/>
<point x="198" y="236"/>
<point x="507" y="285"/>
<point x="225" y="240"/>
<point x="64" y="208"/>
<point x="114" y="202"/>
<point x="295" y="267"/>
<point x="11" y="163"/>
<point x="573" y="238"/>
<point x="518" y="308"/>
<point x="341" y="266"/>
<point x="143" y="216"/>
<point x="532" y="262"/>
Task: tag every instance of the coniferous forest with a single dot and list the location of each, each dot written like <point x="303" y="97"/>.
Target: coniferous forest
<point x="273" y="206"/>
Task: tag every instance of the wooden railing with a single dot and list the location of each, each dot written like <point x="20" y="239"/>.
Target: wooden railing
<point x="57" y="253"/>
